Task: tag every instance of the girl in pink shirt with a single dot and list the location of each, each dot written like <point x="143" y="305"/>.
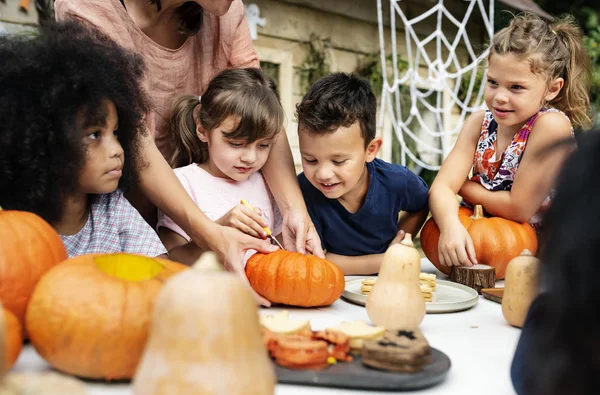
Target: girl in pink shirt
<point x="219" y="153"/>
<point x="184" y="44"/>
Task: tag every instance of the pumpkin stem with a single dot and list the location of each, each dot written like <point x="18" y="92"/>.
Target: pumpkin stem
<point x="407" y="241"/>
<point x="208" y="262"/>
<point x="477" y="213"/>
<point x="526" y="252"/>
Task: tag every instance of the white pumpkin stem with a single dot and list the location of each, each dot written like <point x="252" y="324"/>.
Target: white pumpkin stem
<point x="208" y="262"/>
<point x="526" y="252"/>
<point x="477" y="213"/>
<point x="407" y="241"/>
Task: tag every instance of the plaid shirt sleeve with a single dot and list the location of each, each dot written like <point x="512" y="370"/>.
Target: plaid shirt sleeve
<point x="135" y="235"/>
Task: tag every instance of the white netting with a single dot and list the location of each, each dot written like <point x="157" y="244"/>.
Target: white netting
<point x="434" y="93"/>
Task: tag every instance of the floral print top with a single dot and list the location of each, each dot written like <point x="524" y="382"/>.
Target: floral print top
<point x="498" y="173"/>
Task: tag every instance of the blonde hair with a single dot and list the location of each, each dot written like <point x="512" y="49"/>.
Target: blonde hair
<point x="555" y="50"/>
<point x="247" y="95"/>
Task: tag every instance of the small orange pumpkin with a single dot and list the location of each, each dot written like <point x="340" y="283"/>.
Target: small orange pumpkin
<point x="295" y="279"/>
<point x="89" y="316"/>
<point x="496" y="240"/>
<point x="13" y="338"/>
<point x="29" y="247"/>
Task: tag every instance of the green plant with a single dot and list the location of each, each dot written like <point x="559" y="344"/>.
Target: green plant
<point x="316" y="64"/>
<point x="464" y="86"/>
<point x="369" y="67"/>
<point x="592" y="45"/>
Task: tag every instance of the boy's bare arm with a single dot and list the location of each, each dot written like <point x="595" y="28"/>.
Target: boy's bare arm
<point x="362" y="264"/>
<point x="412" y="222"/>
<point x="353" y="265"/>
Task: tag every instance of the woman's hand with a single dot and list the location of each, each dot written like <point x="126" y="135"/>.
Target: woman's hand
<point x="230" y="245"/>
<point x="299" y="233"/>
<point x="245" y="220"/>
<point x="455" y="247"/>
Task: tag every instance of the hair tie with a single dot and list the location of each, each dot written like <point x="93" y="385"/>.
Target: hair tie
<point x="200" y="97"/>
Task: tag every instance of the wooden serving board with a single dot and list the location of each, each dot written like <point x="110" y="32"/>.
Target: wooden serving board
<point x="493" y="294"/>
<point x="355" y="375"/>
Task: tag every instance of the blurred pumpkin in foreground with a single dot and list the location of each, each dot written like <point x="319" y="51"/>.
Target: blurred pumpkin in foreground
<point x="89" y="316"/>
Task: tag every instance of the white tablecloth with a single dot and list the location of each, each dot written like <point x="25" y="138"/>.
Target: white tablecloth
<point x="478" y="341"/>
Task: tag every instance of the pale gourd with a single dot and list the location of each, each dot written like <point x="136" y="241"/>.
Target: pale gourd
<point x="41" y="383"/>
<point x="521" y="287"/>
<point x="205" y="337"/>
<point x="396" y="301"/>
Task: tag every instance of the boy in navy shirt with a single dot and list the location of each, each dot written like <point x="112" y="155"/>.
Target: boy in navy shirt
<point x="353" y="198"/>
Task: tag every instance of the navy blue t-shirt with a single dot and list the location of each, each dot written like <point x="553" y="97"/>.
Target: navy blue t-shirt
<point x="392" y="188"/>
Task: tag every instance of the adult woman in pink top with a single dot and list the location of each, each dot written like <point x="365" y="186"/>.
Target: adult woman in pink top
<point x="184" y="45"/>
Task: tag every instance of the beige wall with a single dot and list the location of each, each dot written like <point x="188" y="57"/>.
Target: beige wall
<point x="14" y="20"/>
<point x="352" y="29"/>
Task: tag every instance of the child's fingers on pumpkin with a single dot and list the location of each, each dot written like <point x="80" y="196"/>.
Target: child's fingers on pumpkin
<point x="259" y="299"/>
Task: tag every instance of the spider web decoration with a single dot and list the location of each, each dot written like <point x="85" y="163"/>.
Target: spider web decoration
<point x="437" y="92"/>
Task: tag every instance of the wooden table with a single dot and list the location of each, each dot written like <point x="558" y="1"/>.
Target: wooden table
<point x="478" y="341"/>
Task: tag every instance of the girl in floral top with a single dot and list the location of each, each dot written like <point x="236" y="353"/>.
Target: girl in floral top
<point x="537" y="84"/>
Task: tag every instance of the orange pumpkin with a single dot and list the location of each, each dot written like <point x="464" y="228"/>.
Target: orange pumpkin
<point x="496" y="240"/>
<point x="13" y="338"/>
<point x="89" y="316"/>
<point x="29" y="247"/>
<point x="295" y="279"/>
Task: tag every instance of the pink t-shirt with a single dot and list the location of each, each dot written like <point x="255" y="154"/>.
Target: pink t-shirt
<point x="216" y="196"/>
<point x="171" y="72"/>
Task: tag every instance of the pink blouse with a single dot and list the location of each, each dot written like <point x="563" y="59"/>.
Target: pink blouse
<point x="171" y="72"/>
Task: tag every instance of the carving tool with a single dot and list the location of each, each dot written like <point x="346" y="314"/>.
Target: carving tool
<point x="266" y="228"/>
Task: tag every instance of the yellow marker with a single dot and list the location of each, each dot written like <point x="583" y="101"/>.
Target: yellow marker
<point x="266" y="228"/>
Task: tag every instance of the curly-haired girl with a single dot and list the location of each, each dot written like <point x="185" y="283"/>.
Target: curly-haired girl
<point x="219" y="155"/>
<point x="537" y="85"/>
<point x="72" y="114"/>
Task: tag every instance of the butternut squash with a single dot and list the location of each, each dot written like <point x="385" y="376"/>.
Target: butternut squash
<point x="396" y="301"/>
<point x="521" y="286"/>
<point x="205" y="337"/>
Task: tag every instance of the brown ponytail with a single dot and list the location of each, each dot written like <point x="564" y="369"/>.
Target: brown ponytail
<point x="246" y="95"/>
<point x="573" y="98"/>
<point x="187" y="147"/>
<point x="554" y="50"/>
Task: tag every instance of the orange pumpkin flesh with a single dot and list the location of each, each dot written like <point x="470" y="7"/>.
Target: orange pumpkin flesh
<point x="13" y="338"/>
<point x="295" y="279"/>
<point x="29" y="247"/>
<point x="89" y="316"/>
<point x="496" y="240"/>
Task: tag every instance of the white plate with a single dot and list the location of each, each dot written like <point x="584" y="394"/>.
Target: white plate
<point x="448" y="297"/>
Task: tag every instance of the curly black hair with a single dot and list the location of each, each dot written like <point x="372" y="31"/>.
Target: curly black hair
<point x="51" y="85"/>
<point x="338" y="100"/>
<point x="564" y="354"/>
